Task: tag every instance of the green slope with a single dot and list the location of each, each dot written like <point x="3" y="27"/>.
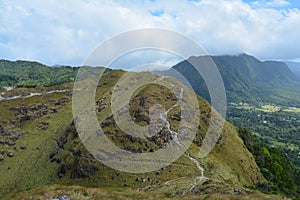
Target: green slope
<point x="55" y="155"/>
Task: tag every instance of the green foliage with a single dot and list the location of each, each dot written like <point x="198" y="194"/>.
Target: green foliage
<point x="280" y="129"/>
<point x="31" y="74"/>
<point x="274" y="164"/>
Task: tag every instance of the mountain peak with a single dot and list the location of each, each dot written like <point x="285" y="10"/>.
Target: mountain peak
<point x="242" y="74"/>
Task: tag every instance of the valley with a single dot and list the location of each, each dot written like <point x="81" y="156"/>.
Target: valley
<point x="275" y="125"/>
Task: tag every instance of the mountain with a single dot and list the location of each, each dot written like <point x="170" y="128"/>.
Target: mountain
<point x="262" y="96"/>
<point x="246" y="79"/>
<point x="42" y="156"/>
<point x="295" y="67"/>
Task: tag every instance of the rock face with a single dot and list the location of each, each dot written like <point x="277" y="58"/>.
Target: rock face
<point x="43" y="125"/>
<point x="25" y="113"/>
<point x="61" y="171"/>
<point x="80" y="167"/>
<point x="60" y="102"/>
<point x="83" y="170"/>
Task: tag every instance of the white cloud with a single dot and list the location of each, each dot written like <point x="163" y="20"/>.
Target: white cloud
<point x="274" y="3"/>
<point x="64" y="32"/>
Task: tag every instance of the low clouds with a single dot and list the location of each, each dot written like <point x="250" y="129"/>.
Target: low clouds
<point x="64" y="32"/>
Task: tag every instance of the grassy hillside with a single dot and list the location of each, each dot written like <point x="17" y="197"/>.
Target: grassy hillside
<point x="40" y="147"/>
<point x="83" y="193"/>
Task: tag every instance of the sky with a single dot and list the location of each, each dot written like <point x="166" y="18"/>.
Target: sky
<point x="65" y="32"/>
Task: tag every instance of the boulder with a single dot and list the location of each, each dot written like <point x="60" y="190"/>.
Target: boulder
<point x="53" y="110"/>
<point x="23" y="147"/>
<point x="62" y="197"/>
<point x="10" y="154"/>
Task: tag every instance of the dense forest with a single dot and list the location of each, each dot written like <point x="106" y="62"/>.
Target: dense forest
<point x="274" y="164"/>
<point x="275" y="128"/>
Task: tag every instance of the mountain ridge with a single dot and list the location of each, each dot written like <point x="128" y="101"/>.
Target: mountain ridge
<point x="245" y="78"/>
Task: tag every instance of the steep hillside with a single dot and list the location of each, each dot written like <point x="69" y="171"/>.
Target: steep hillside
<point x="245" y="78"/>
<point x="40" y="147"/>
<point x="295" y="67"/>
<point x="254" y="88"/>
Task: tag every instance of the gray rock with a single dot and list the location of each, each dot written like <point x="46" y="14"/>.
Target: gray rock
<point x="62" y="197"/>
<point x="10" y="154"/>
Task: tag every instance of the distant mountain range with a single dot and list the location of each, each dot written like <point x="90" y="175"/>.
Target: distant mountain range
<point x="245" y="78"/>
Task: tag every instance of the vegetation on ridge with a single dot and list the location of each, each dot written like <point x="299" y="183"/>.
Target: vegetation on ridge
<point x="31" y="74"/>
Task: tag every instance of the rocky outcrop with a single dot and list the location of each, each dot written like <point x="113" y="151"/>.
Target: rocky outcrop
<point x="83" y="170"/>
<point x="42" y="125"/>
